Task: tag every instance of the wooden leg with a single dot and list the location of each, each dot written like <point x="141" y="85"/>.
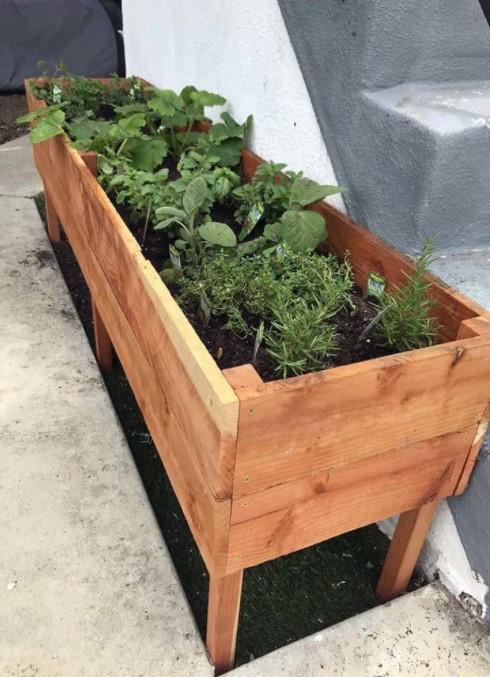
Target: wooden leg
<point x="404" y="551"/>
<point x="51" y="218"/>
<point x="103" y="345"/>
<point x="223" y="610"/>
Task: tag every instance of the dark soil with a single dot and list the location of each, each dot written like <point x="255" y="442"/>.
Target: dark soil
<point x="283" y="600"/>
<point x="11" y="107"/>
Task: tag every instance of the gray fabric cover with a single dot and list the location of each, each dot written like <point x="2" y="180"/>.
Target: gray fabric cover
<point x="77" y="32"/>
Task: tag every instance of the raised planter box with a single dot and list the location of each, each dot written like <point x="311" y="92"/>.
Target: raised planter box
<point x="264" y="469"/>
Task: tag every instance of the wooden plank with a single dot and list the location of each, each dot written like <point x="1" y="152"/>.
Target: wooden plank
<point x="357" y="411"/>
<point x="223" y="611"/>
<point x="408" y="539"/>
<point x="242" y="377"/>
<point x="51" y="218"/>
<point x="208" y="517"/>
<point x="288" y="494"/>
<point x="198" y="395"/>
<point x="103" y="344"/>
<point x="367" y="252"/>
<point x="476" y="326"/>
<point x="342" y="507"/>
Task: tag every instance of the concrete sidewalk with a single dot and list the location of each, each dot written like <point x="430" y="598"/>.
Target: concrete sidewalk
<point x="87" y="586"/>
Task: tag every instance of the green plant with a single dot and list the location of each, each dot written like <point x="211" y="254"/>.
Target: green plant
<point x="280" y="291"/>
<point x="407" y="323"/>
<point x="267" y="188"/>
<point x="299" y="337"/>
<point x="195" y="235"/>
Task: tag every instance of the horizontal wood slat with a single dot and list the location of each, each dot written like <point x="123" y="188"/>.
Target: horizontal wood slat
<point x="343" y="500"/>
<point x="301" y="426"/>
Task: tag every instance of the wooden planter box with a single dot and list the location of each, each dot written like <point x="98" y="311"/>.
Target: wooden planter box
<point x="264" y="469"/>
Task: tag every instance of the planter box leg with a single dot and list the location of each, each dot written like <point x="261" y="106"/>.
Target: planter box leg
<point x="404" y="551"/>
<point x="223" y="610"/>
<point x="51" y="218"/>
<point x="103" y="345"/>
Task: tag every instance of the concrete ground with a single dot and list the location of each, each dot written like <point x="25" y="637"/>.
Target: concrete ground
<point x="424" y="634"/>
<point x="87" y="587"/>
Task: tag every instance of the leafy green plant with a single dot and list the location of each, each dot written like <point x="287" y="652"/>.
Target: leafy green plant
<point x="279" y="291"/>
<point x="299" y="337"/>
<point x="407" y="323"/>
<point x="195" y="236"/>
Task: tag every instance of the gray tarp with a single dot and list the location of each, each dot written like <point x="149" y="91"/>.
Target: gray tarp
<point x="77" y="32"/>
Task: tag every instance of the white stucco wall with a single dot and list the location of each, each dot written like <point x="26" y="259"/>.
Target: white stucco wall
<point x="242" y="51"/>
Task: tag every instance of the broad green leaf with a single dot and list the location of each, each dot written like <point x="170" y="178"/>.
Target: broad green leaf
<point x="272" y="232"/>
<point x="251" y="246"/>
<point x="84" y="129"/>
<point x="164" y="224"/>
<point x="147" y="154"/>
<point x="130" y="109"/>
<point x="204" y="99"/>
<point x="133" y="124"/>
<point x="186" y="93"/>
<point x="195" y="195"/>
<point x="305" y="191"/>
<point x="170" y="211"/>
<point x="165" y="101"/>
<point x="229" y="152"/>
<point x="303" y="231"/>
<point x="48" y="127"/>
<point x="218" y="233"/>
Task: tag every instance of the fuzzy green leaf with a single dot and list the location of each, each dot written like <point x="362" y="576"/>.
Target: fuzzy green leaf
<point x="195" y="195"/>
<point x="218" y="233"/>
<point x="272" y="232"/>
<point x="170" y="211"/>
<point x="303" y="231"/>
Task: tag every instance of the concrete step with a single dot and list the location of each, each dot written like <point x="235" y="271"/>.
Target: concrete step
<point x="423" y="634"/>
<point x="436" y="146"/>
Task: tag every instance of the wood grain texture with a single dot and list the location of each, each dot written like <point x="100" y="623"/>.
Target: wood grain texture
<point x="52" y="221"/>
<point x="404" y="551"/>
<point x="345" y="499"/>
<point x="301" y="426"/>
<point x="207" y="515"/>
<point x="103" y="344"/>
<point x="223" y="611"/>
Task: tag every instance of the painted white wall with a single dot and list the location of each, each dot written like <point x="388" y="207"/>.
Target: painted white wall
<point x="242" y="51"/>
<point x="443" y="555"/>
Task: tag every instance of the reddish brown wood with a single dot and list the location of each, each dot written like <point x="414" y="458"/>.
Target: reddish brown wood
<point x="52" y="220"/>
<point x="404" y="551"/>
<point x="103" y="344"/>
<point x="223" y="611"/>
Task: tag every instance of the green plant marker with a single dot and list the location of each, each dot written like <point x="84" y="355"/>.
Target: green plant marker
<point x="251" y="220"/>
<point x="175" y="257"/>
<point x="376" y="285"/>
<point x="204" y="310"/>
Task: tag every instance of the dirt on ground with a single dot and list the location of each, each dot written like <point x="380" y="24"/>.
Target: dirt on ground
<point x="11" y="107"/>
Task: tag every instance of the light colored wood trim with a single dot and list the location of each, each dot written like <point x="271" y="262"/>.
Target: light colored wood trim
<point x="103" y="344"/>
<point x="408" y="539"/>
<point x="243" y="376"/>
<point x="223" y="611"/>
<point x="349" y="413"/>
<point x="344" y="499"/>
<point x="475" y="326"/>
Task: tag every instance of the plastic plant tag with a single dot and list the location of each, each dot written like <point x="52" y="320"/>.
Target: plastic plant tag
<point x="252" y="219"/>
<point x="175" y="257"/>
<point x="56" y="94"/>
<point x="376" y="285"/>
<point x="258" y="340"/>
<point x="204" y="310"/>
